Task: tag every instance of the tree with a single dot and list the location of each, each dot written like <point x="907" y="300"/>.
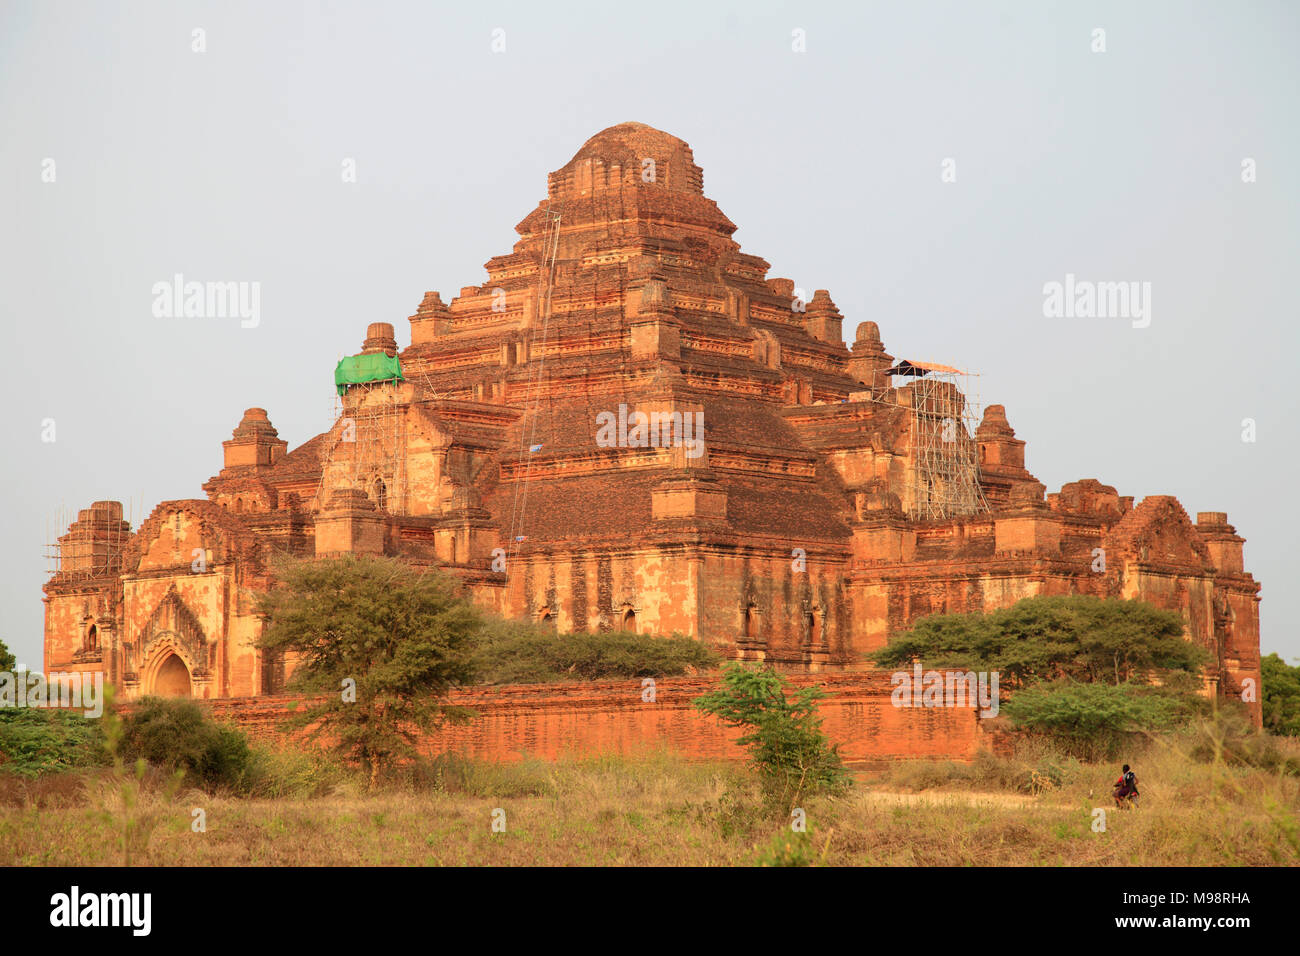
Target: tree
<point x="1281" y="699"/>
<point x="7" y="660"/>
<point x="383" y="643"/>
<point x="1081" y="637"/>
<point x="785" y="741"/>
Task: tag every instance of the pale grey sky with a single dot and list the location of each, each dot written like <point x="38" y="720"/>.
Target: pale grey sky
<point x="225" y="165"/>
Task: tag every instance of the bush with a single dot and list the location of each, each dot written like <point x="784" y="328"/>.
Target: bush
<point x="786" y="744"/>
<point x="177" y="735"/>
<point x="510" y="652"/>
<point x="1093" y="721"/>
<point x="38" y="740"/>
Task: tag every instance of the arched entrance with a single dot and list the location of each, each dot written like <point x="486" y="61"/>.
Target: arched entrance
<point x="172" y="679"/>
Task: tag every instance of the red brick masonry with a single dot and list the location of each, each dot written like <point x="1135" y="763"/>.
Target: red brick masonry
<point x="580" y="719"/>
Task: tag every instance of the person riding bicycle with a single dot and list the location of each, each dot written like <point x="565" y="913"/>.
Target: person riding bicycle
<point x="1126" y="786"/>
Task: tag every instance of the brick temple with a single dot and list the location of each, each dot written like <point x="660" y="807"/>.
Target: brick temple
<point x="629" y="424"/>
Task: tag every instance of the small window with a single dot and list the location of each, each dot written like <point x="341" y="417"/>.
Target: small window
<point x="92" y="638"/>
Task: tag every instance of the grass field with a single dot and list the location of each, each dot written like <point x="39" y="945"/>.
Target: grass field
<point x="659" y="810"/>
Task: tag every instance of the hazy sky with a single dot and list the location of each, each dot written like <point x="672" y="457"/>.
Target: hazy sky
<point x="1122" y="165"/>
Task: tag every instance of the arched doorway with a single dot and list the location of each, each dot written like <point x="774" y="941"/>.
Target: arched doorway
<point x="172" y="679"/>
<point x="628" y="621"/>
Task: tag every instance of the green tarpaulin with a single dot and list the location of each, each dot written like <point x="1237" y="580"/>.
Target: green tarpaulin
<point x="375" y="367"/>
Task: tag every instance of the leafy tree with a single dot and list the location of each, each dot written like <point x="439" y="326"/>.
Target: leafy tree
<point x="1081" y="637"/>
<point x="1281" y="698"/>
<point x="382" y="642"/>
<point x="7" y="660"/>
<point x="785" y="740"/>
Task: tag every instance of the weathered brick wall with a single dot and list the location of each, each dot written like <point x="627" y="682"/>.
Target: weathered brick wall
<point x="554" y="720"/>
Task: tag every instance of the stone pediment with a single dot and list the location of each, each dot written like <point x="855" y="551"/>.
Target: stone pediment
<point x="174" y="621"/>
<point x="169" y="536"/>
<point x="1158" y="532"/>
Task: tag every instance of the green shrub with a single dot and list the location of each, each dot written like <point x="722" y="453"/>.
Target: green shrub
<point x="38" y="740"/>
<point x="786" y="745"/>
<point x="1093" y="721"/>
<point x="511" y="652"/>
<point x="177" y="735"/>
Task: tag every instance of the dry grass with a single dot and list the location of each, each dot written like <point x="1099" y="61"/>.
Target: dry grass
<point x="659" y="810"/>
